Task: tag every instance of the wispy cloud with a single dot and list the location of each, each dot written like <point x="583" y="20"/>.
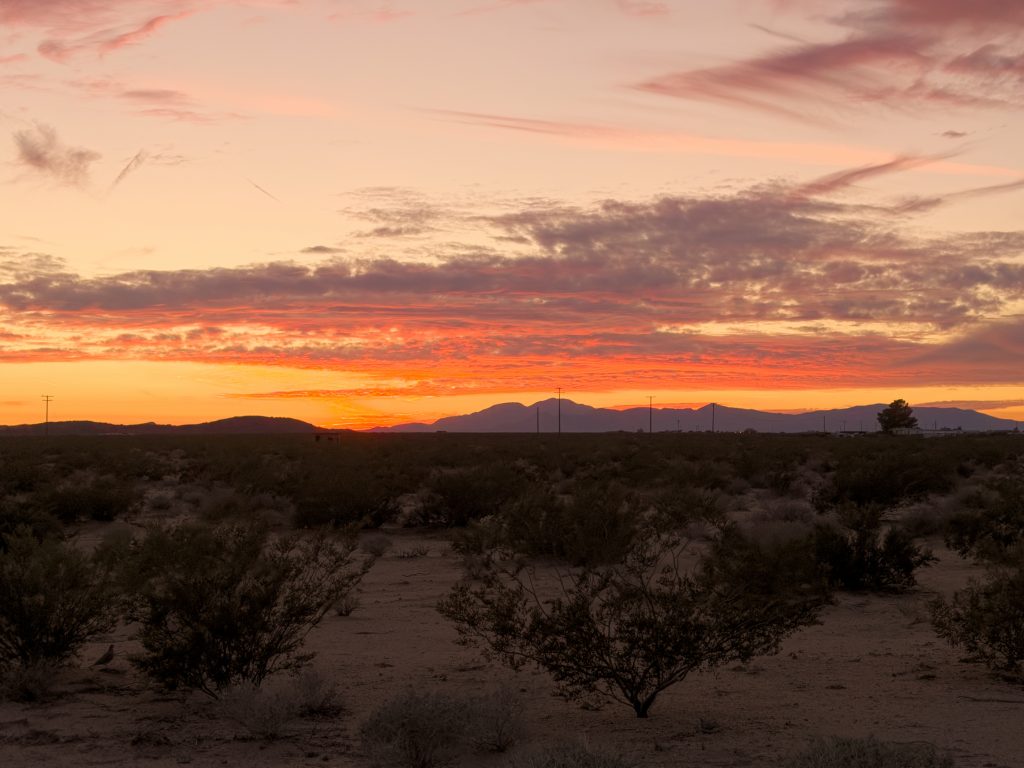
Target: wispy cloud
<point x="903" y="55"/>
<point x="637" y="140"/>
<point x="105" y="41"/>
<point x="40" y="150"/>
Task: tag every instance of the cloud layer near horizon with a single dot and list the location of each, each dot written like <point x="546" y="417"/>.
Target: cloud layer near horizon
<point x="777" y="285"/>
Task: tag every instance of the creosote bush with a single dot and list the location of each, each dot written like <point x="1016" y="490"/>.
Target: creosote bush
<point x="868" y="753"/>
<point x="630" y="630"/>
<point x="53" y="599"/>
<point x="218" y="606"/>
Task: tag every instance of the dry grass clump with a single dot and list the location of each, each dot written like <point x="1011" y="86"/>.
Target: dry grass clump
<point x="347" y="604"/>
<point x="572" y="756"/>
<point x="29" y="684"/>
<point x="416" y="730"/>
<point x="266" y="712"/>
<point x="375" y="544"/>
<point x="496" y="721"/>
<point x="411" y="553"/>
<point x="869" y="753"/>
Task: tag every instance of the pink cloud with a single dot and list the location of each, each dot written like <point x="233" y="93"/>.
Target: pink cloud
<point x="904" y="55"/>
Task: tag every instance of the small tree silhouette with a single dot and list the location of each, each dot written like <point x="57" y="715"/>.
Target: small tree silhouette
<point x="898" y="415"/>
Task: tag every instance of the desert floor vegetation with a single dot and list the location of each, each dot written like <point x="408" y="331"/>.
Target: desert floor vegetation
<point x="271" y="522"/>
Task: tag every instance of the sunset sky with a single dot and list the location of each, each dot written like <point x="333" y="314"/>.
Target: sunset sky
<point x="361" y="212"/>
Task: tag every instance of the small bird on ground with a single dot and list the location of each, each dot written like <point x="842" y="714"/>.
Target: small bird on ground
<point x="106" y="658"/>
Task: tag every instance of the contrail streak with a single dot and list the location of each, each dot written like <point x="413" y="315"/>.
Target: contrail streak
<point x="135" y="162"/>
<point x="261" y="189"/>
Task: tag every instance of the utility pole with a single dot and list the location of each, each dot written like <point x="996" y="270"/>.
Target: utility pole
<point x="712" y="418"/>
<point x="823" y="428"/>
<point x="559" y="410"/>
<point x="46" y="423"/>
<point x="650" y="414"/>
<point x="538" y="419"/>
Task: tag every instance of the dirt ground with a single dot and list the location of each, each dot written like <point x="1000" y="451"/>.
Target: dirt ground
<point x="872" y="667"/>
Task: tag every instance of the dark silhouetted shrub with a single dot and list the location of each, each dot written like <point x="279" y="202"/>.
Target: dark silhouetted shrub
<point x="221" y="606"/>
<point x="627" y="631"/>
<point x="53" y="599"/>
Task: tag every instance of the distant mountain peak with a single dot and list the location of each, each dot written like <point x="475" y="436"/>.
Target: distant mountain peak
<point x="579" y="417"/>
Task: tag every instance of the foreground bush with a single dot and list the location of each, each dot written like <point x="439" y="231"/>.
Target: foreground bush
<point x="987" y="620"/>
<point x="869" y="753"/>
<point x="53" y="599"/>
<point x="223" y="605"/>
<point x="631" y="630"/>
<point x="416" y="730"/>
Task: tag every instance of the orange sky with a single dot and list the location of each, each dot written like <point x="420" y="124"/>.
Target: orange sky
<point x="362" y="212"/>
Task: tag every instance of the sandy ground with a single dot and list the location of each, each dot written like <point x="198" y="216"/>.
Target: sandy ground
<point x="872" y="667"/>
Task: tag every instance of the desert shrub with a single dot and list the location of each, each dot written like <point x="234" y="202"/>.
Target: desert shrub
<point x="769" y="559"/>
<point x="315" y="695"/>
<point x="264" y="712"/>
<point x="223" y="605"/>
<point x="221" y="504"/>
<point x="785" y="511"/>
<point x="991" y="524"/>
<point x="496" y="720"/>
<point x="676" y="506"/>
<point x="456" y="496"/>
<point x="411" y="553"/>
<point x="886" y="478"/>
<point x="572" y="756"/>
<point x="375" y="544"/>
<point x="347" y="603"/>
<point x="18" y="513"/>
<point x="85" y="497"/>
<point x="416" y="729"/>
<point x="344" y="495"/>
<point x="28" y="684"/>
<point x="53" y="599"/>
<point x="626" y="631"/>
<point x="987" y="620"/>
<point x="595" y="524"/>
<point x="857" y="554"/>
<point x="868" y="753"/>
